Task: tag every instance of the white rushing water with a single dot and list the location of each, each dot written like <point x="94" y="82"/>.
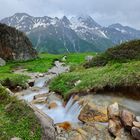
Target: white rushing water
<point x="59" y="114"/>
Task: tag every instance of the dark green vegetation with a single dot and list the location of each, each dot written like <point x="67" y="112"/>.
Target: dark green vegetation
<point x="17" y="119"/>
<point x="121" y="53"/>
<point x="121" y="68"/>
<point x="61" y="39"/>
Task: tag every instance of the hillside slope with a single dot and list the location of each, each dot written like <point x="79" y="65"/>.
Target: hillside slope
<point x="63" y="35"/>
<point x="14" y="45"/>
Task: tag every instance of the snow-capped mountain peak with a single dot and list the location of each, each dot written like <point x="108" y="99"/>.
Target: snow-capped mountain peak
<point x="84" y="21"/>
<point x="78" y="34"/>
<point x="65" y="21"/>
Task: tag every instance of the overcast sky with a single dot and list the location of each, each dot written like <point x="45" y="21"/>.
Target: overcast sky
<point x="105" y="12"/>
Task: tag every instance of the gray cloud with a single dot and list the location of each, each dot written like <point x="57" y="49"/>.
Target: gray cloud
<point x="104" y="12"/>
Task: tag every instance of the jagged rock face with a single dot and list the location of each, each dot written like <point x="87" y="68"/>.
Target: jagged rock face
<point x="14" y="45"/>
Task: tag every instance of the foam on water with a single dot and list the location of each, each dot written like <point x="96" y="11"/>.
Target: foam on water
<point x="40" y="82"/>
<point x="60" y="114"/>
<point x="29" y="97"/>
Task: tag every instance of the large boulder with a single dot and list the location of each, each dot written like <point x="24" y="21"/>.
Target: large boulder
<point x="2" y="62"/>
<point x="127" y="118"/>
<point x="92" y="114"/>
<point x="14" y="45"/>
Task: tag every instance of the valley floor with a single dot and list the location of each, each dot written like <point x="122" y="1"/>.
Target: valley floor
<point x="78" y="81"/>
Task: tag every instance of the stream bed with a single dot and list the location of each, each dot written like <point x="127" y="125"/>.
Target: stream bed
<point x="40" y="96"/>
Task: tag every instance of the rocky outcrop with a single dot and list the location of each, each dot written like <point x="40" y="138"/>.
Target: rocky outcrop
<point x="123" y="124"/>
<point x="14" y="45"/>
<point x="2" y="62"/>
<point x="91" y="114"/>
<point x="48" y="129"/>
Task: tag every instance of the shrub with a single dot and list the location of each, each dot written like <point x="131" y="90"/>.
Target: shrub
<point x="120" y="53"/>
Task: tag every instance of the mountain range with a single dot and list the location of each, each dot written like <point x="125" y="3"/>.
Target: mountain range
<point x="64" y="35"/>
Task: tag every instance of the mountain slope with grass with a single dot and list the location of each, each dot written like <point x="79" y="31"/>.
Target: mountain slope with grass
<point x="117" y="68"/>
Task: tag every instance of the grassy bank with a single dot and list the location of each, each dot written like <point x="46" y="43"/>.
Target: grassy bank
<point x="117" y="67"/>
<point x="41" y="64"/>
<point x="118" y="74"/>
<point x="17" y="119"/>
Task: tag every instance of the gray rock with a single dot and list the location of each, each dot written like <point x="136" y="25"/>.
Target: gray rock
<point x="2" y="62"/>
<point x="135" y="133"/>
<point x="88" y="58"/>
<point x="113" y="111"/>
<point x="15" y="138"/>
<point x="60" y="138"/>
<point x="138" y="118"/>
<point x="48" y="129"/>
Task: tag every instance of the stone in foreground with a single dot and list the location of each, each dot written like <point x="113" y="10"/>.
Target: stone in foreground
<point x="113" y="111"/>
<point x="127" y="118"/>
<point x="135" y="133"/>
<point x="2" y="62"/>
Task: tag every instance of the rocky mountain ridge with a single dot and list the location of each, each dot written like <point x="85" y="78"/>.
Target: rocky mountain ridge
<point x="77" y="34"/>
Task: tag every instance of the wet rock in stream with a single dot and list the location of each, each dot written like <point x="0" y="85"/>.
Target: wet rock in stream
<point x="91" y="114"/>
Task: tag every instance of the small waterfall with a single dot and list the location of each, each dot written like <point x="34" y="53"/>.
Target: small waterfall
<point x="68" y="113"/>
<point x="69" y="104"/>
<point x="73" y="109"/>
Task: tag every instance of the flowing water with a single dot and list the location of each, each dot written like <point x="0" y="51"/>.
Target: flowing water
<point x="72" y="109"/>
<point x="103" y="100"/>
<point x="59" y="114"/>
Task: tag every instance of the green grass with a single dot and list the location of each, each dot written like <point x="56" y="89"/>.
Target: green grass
<point x="113" y="74"/>
<point x="15" y="79"/>
<point x="17" y="119"/>
<point x="42" y="64"/>
<point x="76" y="60"/>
